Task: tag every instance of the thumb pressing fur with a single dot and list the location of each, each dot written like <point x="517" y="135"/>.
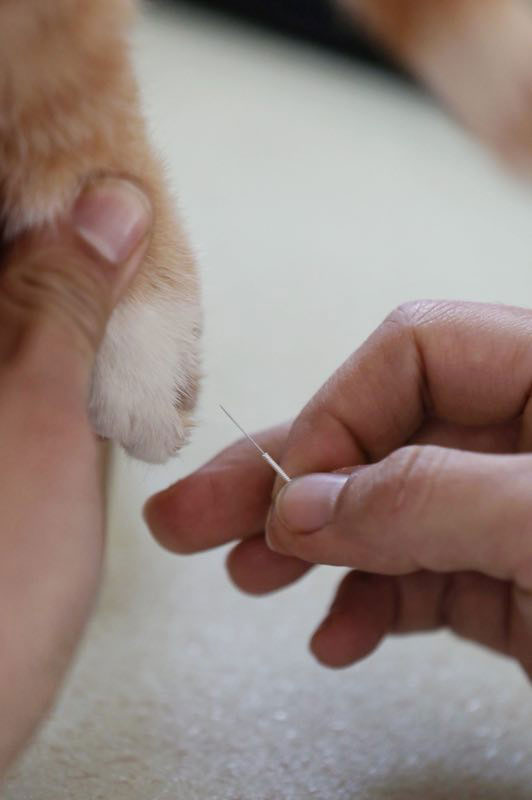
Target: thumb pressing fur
<point x="59" y="285"/>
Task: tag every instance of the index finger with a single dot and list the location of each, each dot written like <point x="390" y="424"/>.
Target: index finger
<point x="226" y="499"/>
<point x="465" y="363"/>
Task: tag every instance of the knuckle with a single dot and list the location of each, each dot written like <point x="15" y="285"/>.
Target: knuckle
<point x="404" y="316"/>
<point x="407" y="480"/>
<point x="383" y="506"/>
<point x="54" y="287"/>
<point x="413" y="314"/>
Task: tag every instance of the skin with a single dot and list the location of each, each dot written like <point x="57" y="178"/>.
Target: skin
<point x="56" y="294"/>
<point x="429" y="424"/>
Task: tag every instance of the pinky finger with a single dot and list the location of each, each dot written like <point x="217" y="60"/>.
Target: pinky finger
<point x="368" y="607"/>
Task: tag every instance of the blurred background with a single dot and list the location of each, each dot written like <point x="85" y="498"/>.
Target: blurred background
<point x="321" y="190"/>
<point x="318" y="22"/>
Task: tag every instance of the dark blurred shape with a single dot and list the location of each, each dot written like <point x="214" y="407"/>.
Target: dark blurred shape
<point x="317" y="21"/>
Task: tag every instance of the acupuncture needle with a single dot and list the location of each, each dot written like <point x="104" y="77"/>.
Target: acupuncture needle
<point x="266" y="456"/>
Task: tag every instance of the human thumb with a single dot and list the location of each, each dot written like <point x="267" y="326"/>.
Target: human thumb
<point x="60" y="283"/>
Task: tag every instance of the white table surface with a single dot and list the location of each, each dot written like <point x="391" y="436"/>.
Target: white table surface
<point x="320" y="195"/>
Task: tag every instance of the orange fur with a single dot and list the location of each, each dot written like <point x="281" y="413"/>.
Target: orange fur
<point x="69" y="109"/>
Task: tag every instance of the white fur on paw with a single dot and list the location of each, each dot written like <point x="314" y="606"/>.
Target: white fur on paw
<point x="141" y="373"/>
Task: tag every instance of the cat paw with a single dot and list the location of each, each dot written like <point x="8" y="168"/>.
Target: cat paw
<point x="145" y="379"/>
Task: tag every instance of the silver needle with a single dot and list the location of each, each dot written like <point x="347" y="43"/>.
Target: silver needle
<point x="266" y="456"/>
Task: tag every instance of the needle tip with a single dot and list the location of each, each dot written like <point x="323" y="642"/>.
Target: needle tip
<point x="273" y="464"/>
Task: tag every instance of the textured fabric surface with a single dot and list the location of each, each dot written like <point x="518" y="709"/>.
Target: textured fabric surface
<point x="321" y="195"/>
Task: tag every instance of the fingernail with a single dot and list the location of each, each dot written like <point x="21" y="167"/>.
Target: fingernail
<point x="307" y="504"/>
<point x="112" y="216"/>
